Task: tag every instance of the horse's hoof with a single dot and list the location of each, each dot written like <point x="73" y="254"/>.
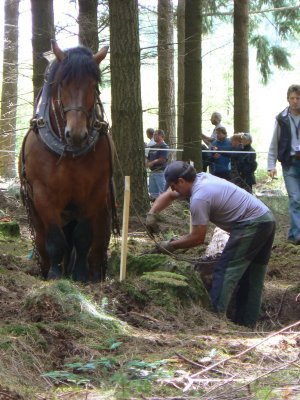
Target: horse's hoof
<point x="83" y="278"/>
<point x="54" y="274"/>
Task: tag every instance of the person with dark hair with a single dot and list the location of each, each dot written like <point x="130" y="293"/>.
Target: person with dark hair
<point x="157" y="161"/>
<point x="251" y="226"/>
<point x="244" y="165"/>
<point x="220" y="162"/>
<point x="285" y="147"/>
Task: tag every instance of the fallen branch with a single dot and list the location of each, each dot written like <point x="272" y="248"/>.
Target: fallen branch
<point x="200" y="365"/>
<point x="245" y="351"/>
<point x="278" y="368"/>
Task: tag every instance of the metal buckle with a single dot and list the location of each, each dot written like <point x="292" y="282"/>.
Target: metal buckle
<point x="40" y="122"/>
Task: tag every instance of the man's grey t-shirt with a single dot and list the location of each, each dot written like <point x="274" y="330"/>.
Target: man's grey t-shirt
<point x="222" y="203"/>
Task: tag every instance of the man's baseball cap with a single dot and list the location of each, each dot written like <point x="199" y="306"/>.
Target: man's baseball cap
<point x="176" y="170"/>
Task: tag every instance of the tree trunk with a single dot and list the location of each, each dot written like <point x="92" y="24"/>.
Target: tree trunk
<point x="9" y="94"/>
<point x="166" y="87"/>
<point x="180" y="73"/>
<point x="42" y="33"/>
<point x="241" y="66"/>
<point x="192" y="83"/>
<point x="126" y="103"/>
<point x="88" y="24"/>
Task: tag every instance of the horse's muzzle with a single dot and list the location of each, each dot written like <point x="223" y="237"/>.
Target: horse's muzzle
<point x="76" y="138"/>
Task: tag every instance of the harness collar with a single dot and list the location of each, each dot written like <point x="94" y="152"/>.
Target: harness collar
<point x="41" y="124"/>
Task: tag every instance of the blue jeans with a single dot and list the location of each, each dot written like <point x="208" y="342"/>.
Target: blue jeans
<point x="157" y="183"/>
<point x="291" y="177"/>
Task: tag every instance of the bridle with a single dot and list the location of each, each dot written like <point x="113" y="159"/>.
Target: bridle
<point x="59" y="112"/>
<point x="49" y="100"/>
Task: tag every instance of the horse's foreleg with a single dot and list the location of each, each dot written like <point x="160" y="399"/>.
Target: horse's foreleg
<point x="82" y="238"/>
<point x="39" y="240"/>
<point x="56" y="247"/>
<point x="98" y="254"/>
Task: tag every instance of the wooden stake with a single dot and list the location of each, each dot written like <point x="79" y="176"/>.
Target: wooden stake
<point x="124" y="247"/>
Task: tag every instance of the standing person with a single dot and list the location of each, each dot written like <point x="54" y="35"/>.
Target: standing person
<point x="285" y="147"/>
<point x="205" y="158"/>
<point x="215" y="119"/>
<point x="243" y="166"/>
<point x="220" y="162"/>
<point x="157" y="162"/>
<point x="250" y="223"/>
<point x="151" y="142"/>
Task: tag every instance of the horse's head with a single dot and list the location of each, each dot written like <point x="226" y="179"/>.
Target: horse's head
<point x="74" y="86"/>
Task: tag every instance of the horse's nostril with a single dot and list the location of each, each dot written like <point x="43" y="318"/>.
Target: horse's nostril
<point x="85" y="135"/>
<point x="67" y="133"/>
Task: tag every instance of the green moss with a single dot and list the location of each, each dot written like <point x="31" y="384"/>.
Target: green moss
<point x="166" y="278"/>
<point x="9" y="333"/>
<point x="135" y="292"/>
<point x="18" y="330"/>
<point x="10" y="228"/>
<point x="138" y="264"/>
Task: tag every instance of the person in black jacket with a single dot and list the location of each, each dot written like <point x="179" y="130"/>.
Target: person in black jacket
<point x="285" y="147"/>
<point x="243" y="165"/>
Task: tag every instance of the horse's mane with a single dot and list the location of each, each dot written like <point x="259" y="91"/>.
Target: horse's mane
<point x="78" y="64"/>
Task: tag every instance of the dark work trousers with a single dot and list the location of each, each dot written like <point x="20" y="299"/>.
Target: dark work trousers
<point x="243" y="265"/>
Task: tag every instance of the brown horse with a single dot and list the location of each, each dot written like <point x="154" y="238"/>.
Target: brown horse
<point x="66" y="169"/>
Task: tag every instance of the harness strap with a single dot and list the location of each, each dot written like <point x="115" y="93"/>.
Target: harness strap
<point x="41" y="125"/>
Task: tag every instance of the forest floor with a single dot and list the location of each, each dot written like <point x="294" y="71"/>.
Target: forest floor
<point x="150" y="336"/>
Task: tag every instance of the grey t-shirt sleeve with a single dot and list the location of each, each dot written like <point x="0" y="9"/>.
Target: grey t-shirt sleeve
<point x="200" y="210"/>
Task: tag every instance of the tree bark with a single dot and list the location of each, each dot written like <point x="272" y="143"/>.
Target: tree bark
<point x="9" y="94"/>
<point x="42" y="33"/>
<point x="241" y="66"/>
<point x="126" y="103"/>
<point x="88" y="24"/>
<point x="166" y="86"/>
<point x="192" y="83"/>
<point x="180" y="73"/>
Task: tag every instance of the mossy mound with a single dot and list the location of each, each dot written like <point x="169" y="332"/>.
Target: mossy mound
<point x="158" y="280"/>
<point x="138" y="264"/>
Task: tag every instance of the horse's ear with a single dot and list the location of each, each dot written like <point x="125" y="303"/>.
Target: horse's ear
<point x="98" y="57"/>
<point x="59" y="54"/>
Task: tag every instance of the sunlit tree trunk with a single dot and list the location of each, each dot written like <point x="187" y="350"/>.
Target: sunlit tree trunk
<point x="180" y="73"/>
<point x="126" y="103"/>
<point x="9" y="94"/>
<point x="42" y="33"/>
<point x="241" y="66"/>
<point x="88" y="24"/>
<point x="192" y="83"/>
<point x="166" y="86"/>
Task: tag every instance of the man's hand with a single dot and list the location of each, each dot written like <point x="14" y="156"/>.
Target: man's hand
<point x="166" y="246"/>
<point x="272" y="173"/>
<point x="151" y="223"/>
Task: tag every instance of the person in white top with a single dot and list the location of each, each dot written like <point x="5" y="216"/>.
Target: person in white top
<point x="150" y="136"/>
<point x="215" y="119"/>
